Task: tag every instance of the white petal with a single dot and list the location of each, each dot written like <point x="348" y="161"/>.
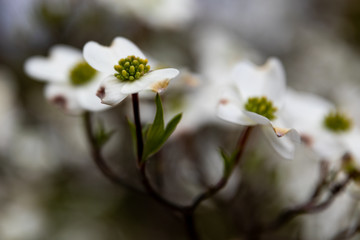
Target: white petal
<point x="110" y="91"/>
<point x="258" y="119"/>
<point x="87" y="98"/>
<point x="305" y="111"/>
<point x="149" y="80"/>
<point x="124" y="47"/>
<point x="247" y="79"/>
<point x="104" y="58"/>
<point x="64" y="53"/>
<point x="328" y="145"/>
<point x="275" y="81"/>
<point x="284" y="142"/>
<point x="256" y="81"/>
<point x="352" y="141"/>
<point x="232" y="112"/>
<point x="100" y="57"/>
<point x="63" y="96"/>
<point x="56" y="67"/>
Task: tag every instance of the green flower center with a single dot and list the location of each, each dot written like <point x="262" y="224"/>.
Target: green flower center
<point x="131" y="68"/>
<point x="81" y="74"/>
<point x="261" y="106"/>
<point x="337" y="122"/>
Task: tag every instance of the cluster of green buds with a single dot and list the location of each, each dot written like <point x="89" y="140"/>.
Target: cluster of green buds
<point x="81" y="74"/>
<point x="261" y="106"/>
<point x="337" y="122"/>
<point x="131" y="68"/>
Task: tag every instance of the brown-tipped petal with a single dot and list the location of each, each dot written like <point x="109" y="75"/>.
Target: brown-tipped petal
<point x="64" y="97"/>
<point x="146" y="81"/>
<point x="110" y="91"/>
<point x="160" y="86"/>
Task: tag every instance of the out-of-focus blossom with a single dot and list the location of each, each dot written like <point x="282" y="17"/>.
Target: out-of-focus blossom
<point x="170" y="14"/>
<point x="255" y="99"/>
<point x="72" y="82"/>
<point x="217" y="52"/>
<point x="268" y="25"/>
<point x="25" y="214"/>
<point x="127" y="70"/>
<point x="329" y="132"/>
<point x="336" y="216"/>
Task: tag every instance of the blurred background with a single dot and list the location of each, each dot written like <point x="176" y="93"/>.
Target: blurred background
<point x="51" y="189"/>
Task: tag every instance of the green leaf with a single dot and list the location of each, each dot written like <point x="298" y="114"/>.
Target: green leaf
<point x="157" y="135"/>
<point x="171" y="126"/>
<point x="228" y="160"/>
<point x="159" y="116"/>
<point x="101" y="135"/>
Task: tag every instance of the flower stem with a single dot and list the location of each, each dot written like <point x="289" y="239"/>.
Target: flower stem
<point x="186" y="211"/>
<point x="98" y="158"/>
<point x="139" y="137"/>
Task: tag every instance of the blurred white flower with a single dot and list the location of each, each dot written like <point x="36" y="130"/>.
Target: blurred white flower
<point x="168" y="14"/>
<point x="127" y="69"/>
<point x="255" y="99"/>
<point x="21" y="220"/>
<point x="72" y="82"/>
<point x="217" y="51"/>
<point x="329" y="132"/>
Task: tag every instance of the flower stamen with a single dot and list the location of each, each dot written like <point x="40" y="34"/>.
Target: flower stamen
<point x="81" y="74"/>
<point x="261" y="106"/>
<point x="131" y="68"/>
<point x="337" y="122"/>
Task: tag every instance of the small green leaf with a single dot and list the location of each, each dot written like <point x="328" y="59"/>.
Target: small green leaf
<point x="102" y="135"/>
<point x="228" y="161"/>
<point x="145" y="130"/>
<point x="170" y="127"/>
<point x="159" y="116"/>
<point x="157" y="135"/>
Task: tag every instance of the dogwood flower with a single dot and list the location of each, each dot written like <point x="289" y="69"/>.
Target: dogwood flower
<point x="327" y="130"/>
<point x="127" y="69"/>
<point x="168" y="14"/>
<point x="72" y="82"/>
<point x="256" y="97"/>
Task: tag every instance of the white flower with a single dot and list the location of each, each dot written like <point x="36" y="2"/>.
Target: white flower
<point x="255" y="99"/>
<point x="72" y="82"/>
<point x="127" y="69"/>
<point x="329" y="132"/>
<point x="168" y="14"/>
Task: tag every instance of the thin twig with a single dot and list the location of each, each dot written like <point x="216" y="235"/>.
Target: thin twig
<point x="347" y="233"/>
<point x="99" y="160"/>
<point x="211" y="191"/>
<point x="311" y="206"/>
<point x="186" y="211"/>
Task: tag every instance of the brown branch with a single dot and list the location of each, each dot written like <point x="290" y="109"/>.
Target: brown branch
<point x="99" y="160"/>
<point x="186" y="211"/>
<point x="347" y="233"/>
<point x="211" y="191"/>
<point x="312" y="205"/>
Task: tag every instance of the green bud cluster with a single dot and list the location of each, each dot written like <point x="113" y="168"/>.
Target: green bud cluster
<point x="337" y="122"/>
<point x="81" y="74"/>
<point x="261" y="106"/>
<point x="131" y="68"/>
